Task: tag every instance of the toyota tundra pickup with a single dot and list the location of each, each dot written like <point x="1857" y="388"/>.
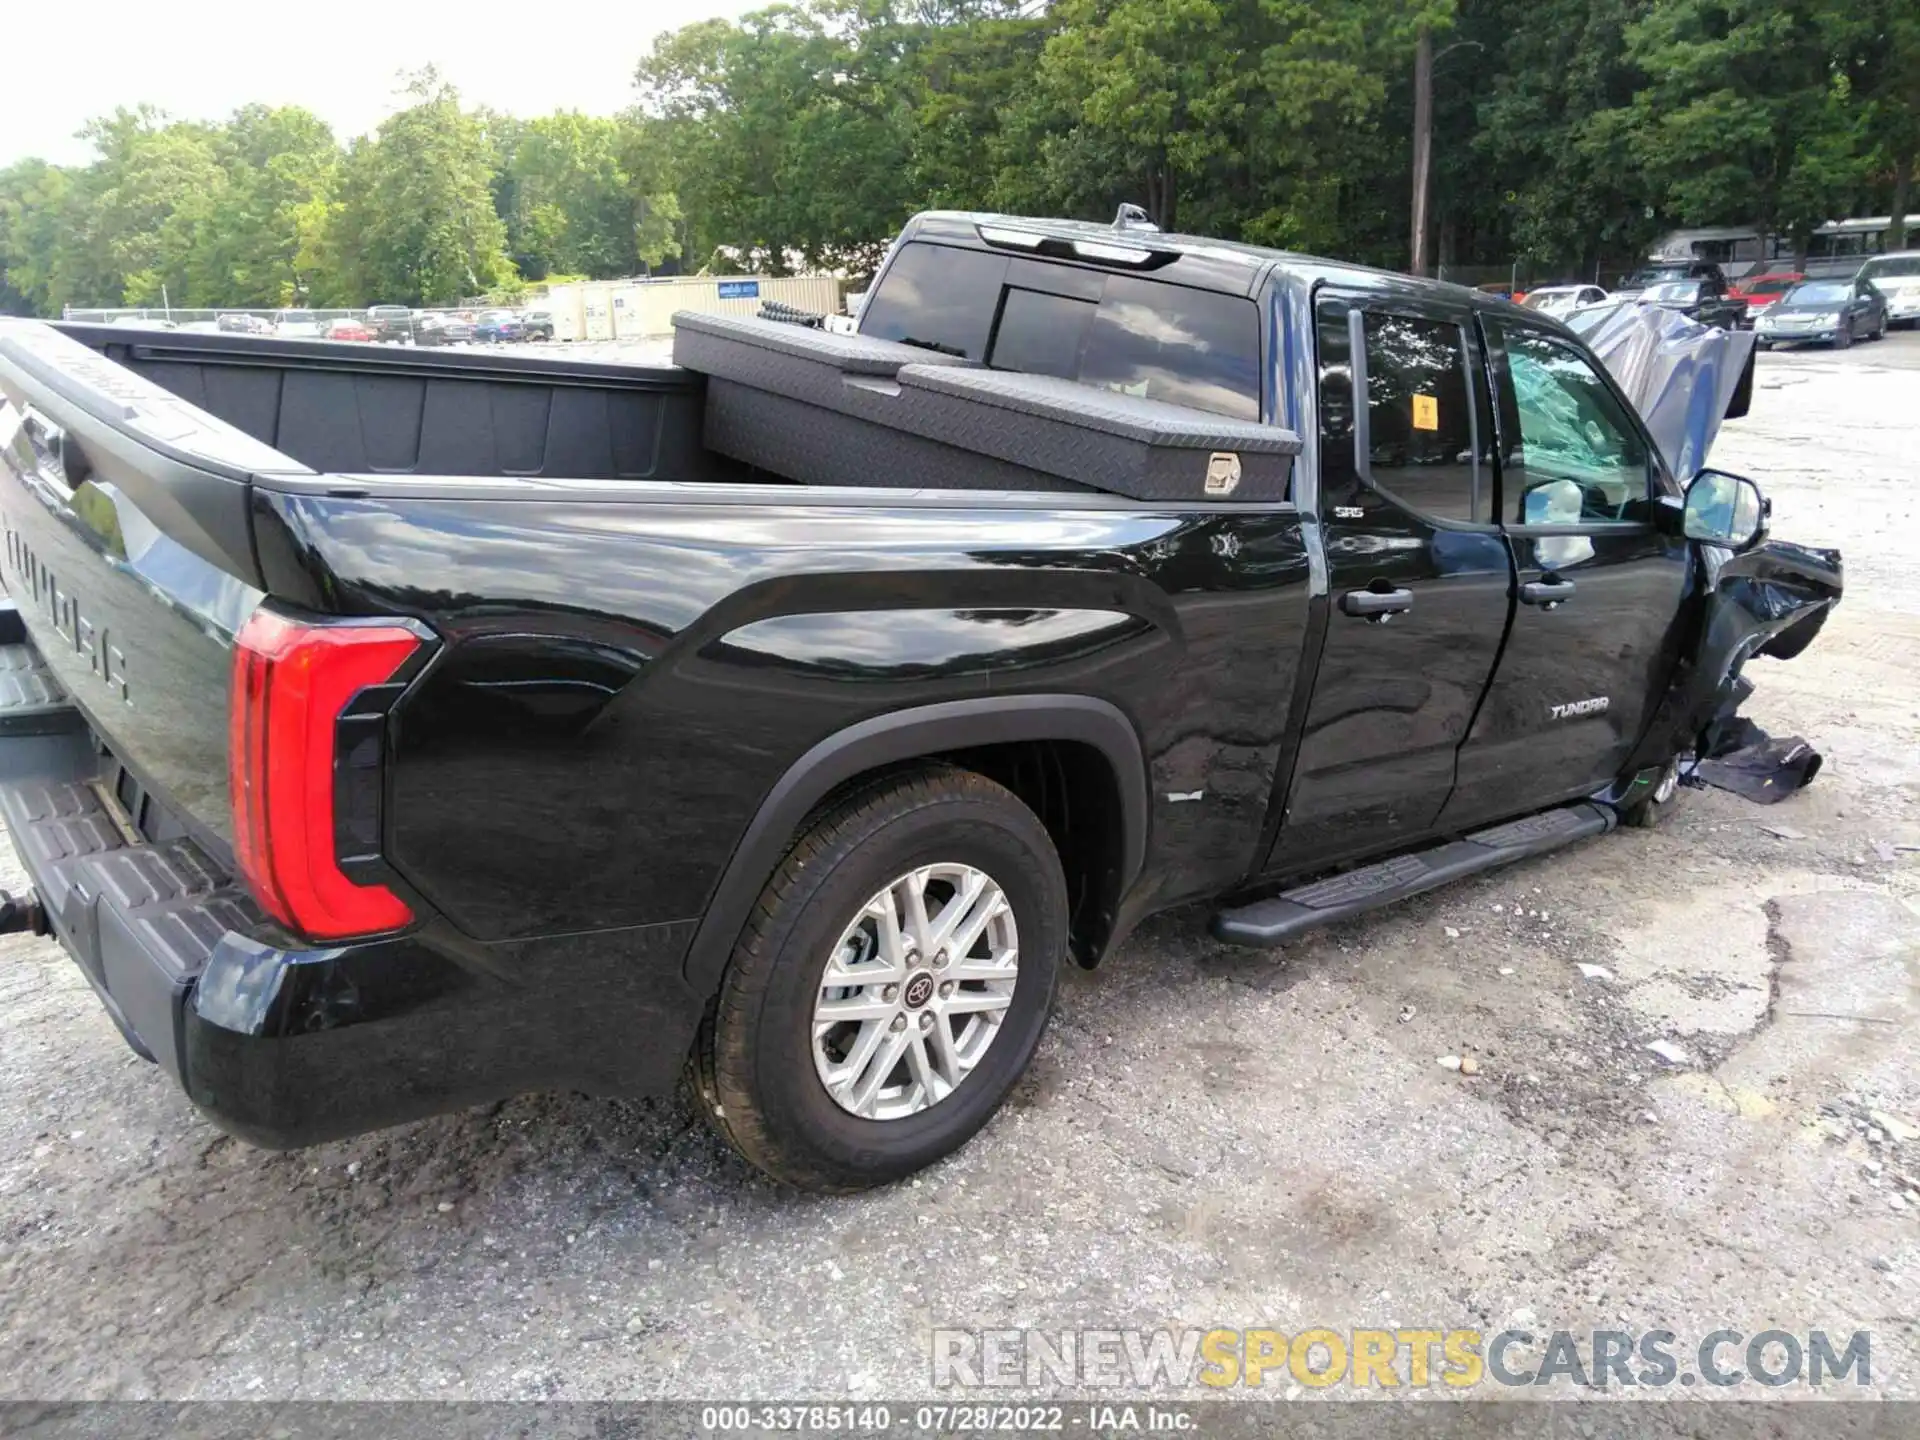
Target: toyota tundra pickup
<point x="386" y="732"/>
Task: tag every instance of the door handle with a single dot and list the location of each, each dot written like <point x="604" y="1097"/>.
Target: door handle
<point x="1375" y="605"/>
<point x="1546" y="593"/>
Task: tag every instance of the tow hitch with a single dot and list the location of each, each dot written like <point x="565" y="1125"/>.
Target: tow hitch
<point x="18" y="915"/>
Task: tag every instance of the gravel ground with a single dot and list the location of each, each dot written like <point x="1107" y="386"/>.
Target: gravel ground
<point x="1208" y="1137"/>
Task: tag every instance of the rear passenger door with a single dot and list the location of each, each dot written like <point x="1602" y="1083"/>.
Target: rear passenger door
<point x="1596" y="631"/>
<point x="1419" y="572"/>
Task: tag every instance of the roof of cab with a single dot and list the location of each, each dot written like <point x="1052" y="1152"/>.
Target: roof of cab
<point x="1205" y="263"/>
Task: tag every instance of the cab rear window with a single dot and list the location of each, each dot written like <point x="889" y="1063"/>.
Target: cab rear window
<point x="1118" y="332"/>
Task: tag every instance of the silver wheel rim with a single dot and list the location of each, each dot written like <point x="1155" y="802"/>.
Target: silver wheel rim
<point x="915" y="991"/>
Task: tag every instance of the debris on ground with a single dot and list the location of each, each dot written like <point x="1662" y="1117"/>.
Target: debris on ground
<point x="1900" y="1128"/>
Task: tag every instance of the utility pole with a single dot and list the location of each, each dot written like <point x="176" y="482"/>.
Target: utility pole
<point x="1422" y="147"/>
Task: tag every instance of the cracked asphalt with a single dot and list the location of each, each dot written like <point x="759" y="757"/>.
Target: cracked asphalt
<point x="1209" y="1137"/>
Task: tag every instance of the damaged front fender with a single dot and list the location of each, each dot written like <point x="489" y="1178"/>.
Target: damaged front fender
<point x="1770" y="600"/>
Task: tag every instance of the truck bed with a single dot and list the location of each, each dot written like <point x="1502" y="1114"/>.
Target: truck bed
<point x="393" y="410"/>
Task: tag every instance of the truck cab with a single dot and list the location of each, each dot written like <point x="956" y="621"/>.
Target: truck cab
<point x="1504" y="589"/>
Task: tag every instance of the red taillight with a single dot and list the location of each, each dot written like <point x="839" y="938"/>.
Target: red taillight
<point x="290" y="683"/>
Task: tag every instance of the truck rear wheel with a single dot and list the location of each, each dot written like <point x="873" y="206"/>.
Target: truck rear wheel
<point x="890" y="985"/>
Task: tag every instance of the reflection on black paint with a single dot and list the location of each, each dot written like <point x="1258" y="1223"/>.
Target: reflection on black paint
<point x="922" y="644"/>
<point x="607" y="785"/>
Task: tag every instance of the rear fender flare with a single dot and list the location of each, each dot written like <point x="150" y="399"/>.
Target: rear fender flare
<point x="903" y="735"/>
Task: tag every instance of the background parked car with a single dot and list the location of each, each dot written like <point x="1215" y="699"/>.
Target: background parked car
<point x="536" y="325"/>
<point x="390" y="322"/>
<point x="495" y="326"/>
<point x="347" y="328"/>
<point x="1704" y="299"/>
<point x="298" y="325"/>
<point x="1562" y="299"/>
<point x="1835" y="311"/>
<point x="1658" y="272"/>
<point x="1897" y="277"/>
<point x="240" y="323"/>
<point x="442" y="330"/>
<point x="1760" y="291"/>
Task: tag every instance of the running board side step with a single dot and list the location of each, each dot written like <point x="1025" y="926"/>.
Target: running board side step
<point x="1279" y="918"/>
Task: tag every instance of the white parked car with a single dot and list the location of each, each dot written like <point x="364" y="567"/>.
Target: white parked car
<point x="1564" y="299"/>
<point x="298" y="325"/>
<point x="1897" y="277"/>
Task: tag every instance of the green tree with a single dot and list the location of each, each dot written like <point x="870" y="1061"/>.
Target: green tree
<point x="785" y="134"/>
<point x="1252" y="119"/>
<point x="1881" y="46"/>
<point x="136" y="209"/>
<point x="35" y="212"/>
<point x="583" y="196"/>
<point x="283" y="168"/>
<point x="416" y="222"/>
<point x="1746" y="113"/>
<point x="1549" y="143"/>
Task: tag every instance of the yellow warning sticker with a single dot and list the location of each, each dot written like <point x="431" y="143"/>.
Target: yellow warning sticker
<point x="1426" y="412"/>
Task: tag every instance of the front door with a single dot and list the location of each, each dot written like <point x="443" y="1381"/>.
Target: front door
<point x="1596" y="630"/>
<point x="1420" y="575"/>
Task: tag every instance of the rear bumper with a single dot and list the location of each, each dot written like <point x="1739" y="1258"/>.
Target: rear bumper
<point x="285" y="1045"/>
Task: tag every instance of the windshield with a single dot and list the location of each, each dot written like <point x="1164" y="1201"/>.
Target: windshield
<point x="1684" y="292"/>
<point x="1551" y="301"/>
<point x="1772" y="284"/>
<point x="1819" y="292"/>
<point x="1888" y="266"/>
<point x="1654" y="274"/>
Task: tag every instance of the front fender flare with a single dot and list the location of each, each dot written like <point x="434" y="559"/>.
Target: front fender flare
<point x="909" y="735"/>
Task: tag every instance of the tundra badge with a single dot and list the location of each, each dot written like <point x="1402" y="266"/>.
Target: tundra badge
<point x="1595" y="706"/>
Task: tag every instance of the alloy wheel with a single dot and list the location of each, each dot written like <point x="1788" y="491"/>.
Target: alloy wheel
<point x="915" y="990"/>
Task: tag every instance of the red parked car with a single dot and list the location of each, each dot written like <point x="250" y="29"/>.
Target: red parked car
<point x="348" y="330"/>
<point x="1760" y="291"/>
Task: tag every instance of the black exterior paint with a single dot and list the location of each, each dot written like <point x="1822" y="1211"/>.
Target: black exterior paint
<point x="642" y="685"/>
<point x="701" y="663"/>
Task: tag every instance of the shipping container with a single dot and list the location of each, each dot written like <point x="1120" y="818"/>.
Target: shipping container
<point x="566" y="305"/>
<point x="597" y="298"/>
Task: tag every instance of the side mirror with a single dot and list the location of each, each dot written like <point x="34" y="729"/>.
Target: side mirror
<point x="1725" y="509"/>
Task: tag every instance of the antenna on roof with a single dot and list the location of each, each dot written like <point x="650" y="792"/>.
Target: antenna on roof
<point x="1133" y="217"/>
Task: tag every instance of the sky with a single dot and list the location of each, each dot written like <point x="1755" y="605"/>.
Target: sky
<point x="202" y="59"/>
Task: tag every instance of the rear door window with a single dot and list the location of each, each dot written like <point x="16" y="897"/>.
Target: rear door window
<point x="939" y="298"/>
<point x="1166" y="342"/>
<point x="1042" y="334"/>
<point x="1119" y="332"/>
<point x="1420" y="417"/>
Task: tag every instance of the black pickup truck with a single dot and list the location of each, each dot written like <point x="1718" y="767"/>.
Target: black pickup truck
<point x="387" y="731"/>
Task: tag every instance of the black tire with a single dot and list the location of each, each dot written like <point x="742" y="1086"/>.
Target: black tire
<point x="1843" y="337"/>
<point x="753" y="1063"/>
<point x="1659" y="803"/>
<point x="1879" y="332"/>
